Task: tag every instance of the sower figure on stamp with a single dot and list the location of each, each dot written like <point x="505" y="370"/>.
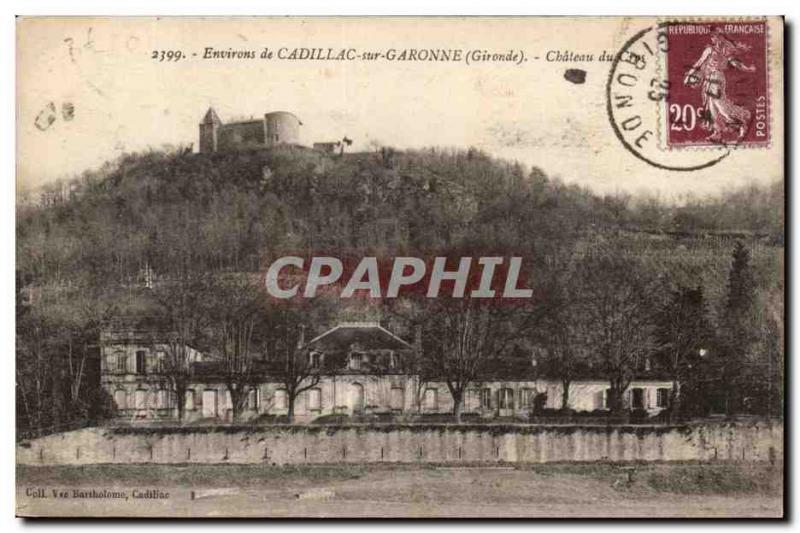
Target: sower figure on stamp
<point x="720" y="114"/>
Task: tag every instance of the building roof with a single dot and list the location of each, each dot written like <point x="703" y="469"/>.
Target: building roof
<point x="285" y="113"/>
<point x="369" y="335"/>
<point x="211" y="117"/>
<point x="337" y="341"/>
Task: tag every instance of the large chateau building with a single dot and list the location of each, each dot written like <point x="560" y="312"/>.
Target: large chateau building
<point x="362" y="371"/>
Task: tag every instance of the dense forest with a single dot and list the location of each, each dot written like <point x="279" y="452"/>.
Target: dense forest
<point x="101" y="248"/>
<point x="237" y="209"/>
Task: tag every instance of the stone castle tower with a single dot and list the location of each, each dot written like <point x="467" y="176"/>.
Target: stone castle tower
<point x="209" y="130"/>
<point x="278" y="127"/>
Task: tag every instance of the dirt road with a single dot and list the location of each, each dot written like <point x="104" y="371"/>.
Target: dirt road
<point x="378" y="492"/>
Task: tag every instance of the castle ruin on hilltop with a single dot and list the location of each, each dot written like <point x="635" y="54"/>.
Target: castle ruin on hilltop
<point x="273" y="129"/>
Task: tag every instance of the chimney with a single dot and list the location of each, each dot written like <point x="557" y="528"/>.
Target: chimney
<point x="301" y="340"/>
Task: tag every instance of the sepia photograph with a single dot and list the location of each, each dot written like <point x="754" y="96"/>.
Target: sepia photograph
<point x="400" y="267"/>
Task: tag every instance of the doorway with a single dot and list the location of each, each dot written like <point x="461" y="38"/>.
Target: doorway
<point x="209" y="404"/>
<point x="356" y="398"/>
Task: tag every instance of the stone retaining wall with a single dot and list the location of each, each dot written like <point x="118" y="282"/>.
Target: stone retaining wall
<point x="751" y="442"/>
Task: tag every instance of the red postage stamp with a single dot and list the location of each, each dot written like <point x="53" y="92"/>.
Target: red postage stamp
<point x="718" y="84"/>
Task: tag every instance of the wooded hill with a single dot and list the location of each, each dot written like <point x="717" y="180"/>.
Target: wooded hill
<point x="233" y="211"/>
<point x="168" y="214"/>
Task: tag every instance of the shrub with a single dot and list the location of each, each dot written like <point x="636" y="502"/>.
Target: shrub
<point x="539" y="402"/>
<point x="270" y="419"/>
<point x="101" y="406"/>
<point x="594" y="413"/>
<point x="332" y="419"/>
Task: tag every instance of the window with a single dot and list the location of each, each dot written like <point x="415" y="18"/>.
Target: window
<point x="662" y="398"/>
<point x="228" y="400"/>
<point x="189" y="401"/>
<point x="280" y="399"/>
<point x="162" y="399"/>
<point x="486" y="398"/>
<point x="161" y="357"/>
<point x="471" y="399"/>
<point x="506" y="399"/>
<point x="600" y="399"/>
<point x="431" y="400"/>
<point x="314" y="399"/>
<point x="637" y="398"/>
<point x="252" y="400"/>
<point x="122" y="363"/>
<point x="121" y="399"/>
<point x="396" y="399"/>
<point x="314" y="359"/>
<point x="141" y="362"/>
<point x="355" y="361"/>
<point x="525" y="398"/>
<point x="140" y="399"/>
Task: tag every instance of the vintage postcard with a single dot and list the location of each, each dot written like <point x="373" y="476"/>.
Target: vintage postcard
<point x="400" y="267"/>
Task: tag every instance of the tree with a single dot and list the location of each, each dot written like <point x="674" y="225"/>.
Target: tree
<point x="181" y="302"/>
<point x="233" y="306"/>
<point x="409" y="314"/>
<point x="56" y="343"/>
<point x="741" y="283"/>
<point x="416" y="364"/>
<point x="34" y="370"/>
<point x="459" y="338"/>
<point x="559" y="331"/>
<point x="775" y="368"/>
<point x="739" y="327"/>
<point x="72" y="338"/>
<point x="285" y="348"/>
<point x="616" y="297"/>
<point x="682" y="331"/>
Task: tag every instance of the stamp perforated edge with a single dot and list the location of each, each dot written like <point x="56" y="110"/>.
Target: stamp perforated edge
<point x="662" y="71"/>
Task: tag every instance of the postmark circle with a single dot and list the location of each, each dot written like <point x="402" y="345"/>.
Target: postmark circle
<point x="635" y="93"/>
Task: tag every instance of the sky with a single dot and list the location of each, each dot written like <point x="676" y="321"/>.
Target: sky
<point x="124" y="101"/>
